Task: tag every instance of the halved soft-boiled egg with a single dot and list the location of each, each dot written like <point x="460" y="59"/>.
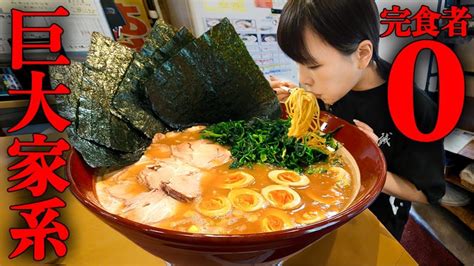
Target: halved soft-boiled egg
<point x="343" y="178"/>
<point x="275" y="220"/>
<point x="238" y="179"/>
<point x="309" y="217"/>
<point x="246" y="199"/>
<point x="281" y="197"/>
<point x="288" y="178"/>
<point x="214" y="206"/>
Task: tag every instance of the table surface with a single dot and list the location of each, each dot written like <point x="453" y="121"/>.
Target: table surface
<point x="362" y="241"/>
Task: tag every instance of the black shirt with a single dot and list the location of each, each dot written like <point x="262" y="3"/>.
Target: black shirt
<point x="420" y="163"/>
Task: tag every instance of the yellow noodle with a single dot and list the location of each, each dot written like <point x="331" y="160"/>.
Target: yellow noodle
<point x="303" y="109"/>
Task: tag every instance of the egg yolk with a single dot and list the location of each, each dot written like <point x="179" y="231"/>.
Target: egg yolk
<point x="234" y="178"/>
<point x="274" y="223"/>
<point x="281" y="196"/>
<point x="288" y="176"/>
<point x="246" y="200"/>
<point x="212" y="204"/>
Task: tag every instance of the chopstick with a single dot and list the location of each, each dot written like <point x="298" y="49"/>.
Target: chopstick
<point x="286" y="89"/>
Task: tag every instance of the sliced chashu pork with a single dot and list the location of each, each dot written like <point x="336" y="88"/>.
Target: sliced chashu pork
<point x="201" y="153"/>
<point x="149" y="207"/>
<point x="112" y="197"/>
<point x="124" y="190"/>
<point x="110" y="203"/>
<point x="179" y="180"/>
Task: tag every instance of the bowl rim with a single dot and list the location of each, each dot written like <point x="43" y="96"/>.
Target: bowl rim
<point x="185" y="237"/>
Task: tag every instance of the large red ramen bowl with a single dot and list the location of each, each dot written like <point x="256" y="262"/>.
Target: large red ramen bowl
<point x="186" y="248"/>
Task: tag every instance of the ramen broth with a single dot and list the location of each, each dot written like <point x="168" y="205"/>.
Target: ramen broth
<point x="230" y="201"/>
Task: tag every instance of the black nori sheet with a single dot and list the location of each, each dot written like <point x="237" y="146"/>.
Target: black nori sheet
<point x="160" y="34"/>
<point x="106" y="64"/>
<point x="129" y="107"/>
<point x="212" y="79"/>
<point x="95" y="155"/>
<point x="129" y="102"/>
<point x="182" y="38"/>
<point x="71" y="76"/>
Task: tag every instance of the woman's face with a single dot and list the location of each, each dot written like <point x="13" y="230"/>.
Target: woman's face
<point x="333" y="75"/>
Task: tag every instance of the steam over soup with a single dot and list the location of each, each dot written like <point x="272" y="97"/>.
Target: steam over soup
<point x="185" y="183"/>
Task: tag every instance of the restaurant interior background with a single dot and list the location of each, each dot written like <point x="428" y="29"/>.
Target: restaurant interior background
<point x="433" y="232"/>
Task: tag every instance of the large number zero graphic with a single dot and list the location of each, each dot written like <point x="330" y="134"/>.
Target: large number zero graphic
<point x="451" y="90"/>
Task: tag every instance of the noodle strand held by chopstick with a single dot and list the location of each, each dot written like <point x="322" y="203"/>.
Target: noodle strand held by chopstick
<point x="303" y="109"/>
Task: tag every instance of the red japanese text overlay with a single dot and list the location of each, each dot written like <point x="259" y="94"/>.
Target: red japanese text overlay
<point x="403" y="23"/>
<point x="38" y="100"/>
<point x="35" y="172"/>
<point x="452" y="22"/>
<point x="39" y="159"/>
<point x="42" y="228"/>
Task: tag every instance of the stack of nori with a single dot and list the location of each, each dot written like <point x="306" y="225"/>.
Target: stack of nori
<point x="105" y="66"/>
<point x="119" y="99"/>
<point x="212" y="79"/>
<point x="130" y="102"/>
<point x="95" y="155"/>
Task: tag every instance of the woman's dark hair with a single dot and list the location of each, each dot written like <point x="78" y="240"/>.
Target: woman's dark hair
<point x="341" y="23"/>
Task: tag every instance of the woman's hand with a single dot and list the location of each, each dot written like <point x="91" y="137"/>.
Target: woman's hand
<point x="394" y="185"/>
<point x="281" y="88"/>
<point x="367" y="130"/>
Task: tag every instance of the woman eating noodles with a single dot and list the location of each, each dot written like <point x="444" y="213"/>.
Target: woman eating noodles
<point x="335" y="44"/>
